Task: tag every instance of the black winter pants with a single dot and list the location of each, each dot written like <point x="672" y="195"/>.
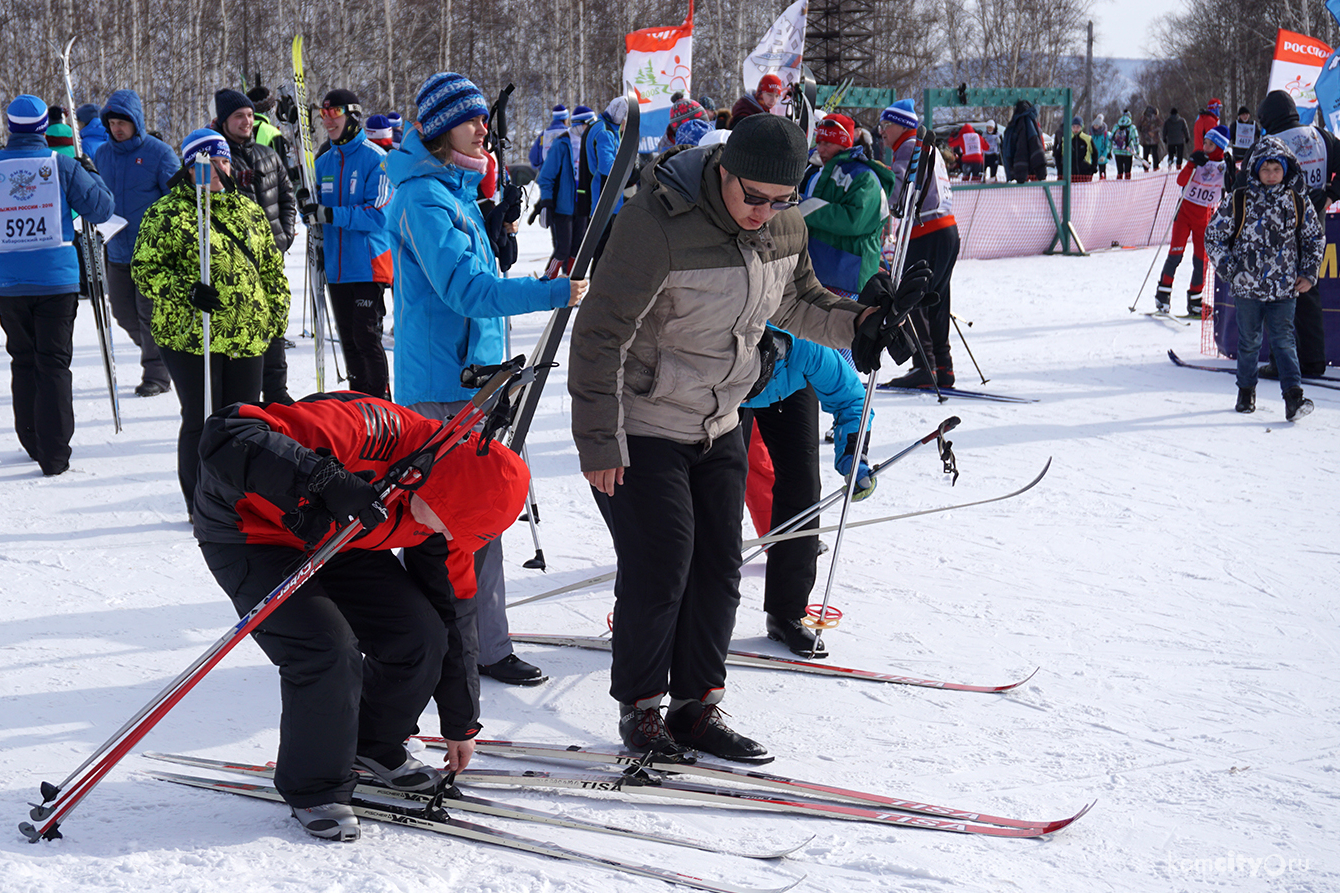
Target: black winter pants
<point x="39" y="335"/>
<point x="232" y="379"/>
<point x="134" y="313"/>
<point x="359" y="309"/>
<point x="1151" y="154"/>
<point x="1124" y="164"/>
<point x="675" y="521"/>
<point x="1309" y="332"/>
<point x="274" y="378"/>
<point x="1175" y="159"/>
<point x="790" y="430"/>
<point x="940" y="250"/>
<point x="359" y="649"/>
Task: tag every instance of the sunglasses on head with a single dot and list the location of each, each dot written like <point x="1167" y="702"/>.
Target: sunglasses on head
<point x="754" y="199"/>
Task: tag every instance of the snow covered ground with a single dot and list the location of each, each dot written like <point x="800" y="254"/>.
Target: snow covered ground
<point x="1173" y="577"/>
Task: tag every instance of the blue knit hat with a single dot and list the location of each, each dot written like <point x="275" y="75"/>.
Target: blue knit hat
<point x="691" y="131"/>
<point x="378" y="127"/>
<point x="583" y="115"/>
<point x="27" y="114"/>
<point x="87" y="112"/>
<point x="204" y="140"/>
<point x="447" y="99"/>
<point x="1218" y="136"/>
<point x="561" y="112"/>
<point x="903" y="112"/>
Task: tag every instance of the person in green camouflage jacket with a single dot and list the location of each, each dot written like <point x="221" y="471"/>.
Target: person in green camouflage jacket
<point x="247" y="296"/>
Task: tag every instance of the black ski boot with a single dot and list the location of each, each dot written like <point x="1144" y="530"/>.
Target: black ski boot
<point x="795" y="635"/>
<point x="1246" y="400"/>
<point x="917" y="378"/>
<point x="642" y="729"/>
<point x="1163" y="300"/>
<point x="1295" y="404"/>
<point x="944" y="376"/>
<point x="1193" y="305"/>
<point x="700" y="726"/>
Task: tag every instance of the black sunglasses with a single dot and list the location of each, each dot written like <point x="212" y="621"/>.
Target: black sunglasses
<point x="754" y="200"/>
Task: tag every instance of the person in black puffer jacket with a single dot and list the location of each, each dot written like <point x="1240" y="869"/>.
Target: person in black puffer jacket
<point x="260" y="176"/>
<point x="1021" y="146"/>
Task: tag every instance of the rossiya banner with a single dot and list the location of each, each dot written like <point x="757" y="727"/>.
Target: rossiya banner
<point x="1298" y="62"/>
<point x="659" y="64"/>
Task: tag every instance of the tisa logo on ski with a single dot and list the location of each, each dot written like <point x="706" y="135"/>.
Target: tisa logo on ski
<point x="22" y="187"/>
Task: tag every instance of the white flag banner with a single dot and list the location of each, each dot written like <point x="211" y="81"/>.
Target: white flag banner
<point x="659" y="64"/>
<point x="780" y="51"/>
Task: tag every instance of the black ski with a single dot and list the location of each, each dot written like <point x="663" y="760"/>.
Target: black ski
<point x="438" y="822"/>
<point x="1334" y="384"/>
<point x="956" y="392"/>
<point x="91" y="256"/>
<point x="543" y="358"/>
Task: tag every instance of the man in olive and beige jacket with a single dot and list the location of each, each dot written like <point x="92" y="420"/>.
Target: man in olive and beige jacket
<point x="665" y="348"/>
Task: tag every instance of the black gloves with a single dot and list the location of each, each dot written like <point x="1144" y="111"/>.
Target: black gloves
<point x="87" y="164"/>
<point x="1199" y="158"/>
<point x="346" y="495"/>
<point x="312" y="214"/>
<point x="767" y="362"/>
<point x="880" y="328"/>
<point x="205" y="297"/>
<point x="544" y="204"/>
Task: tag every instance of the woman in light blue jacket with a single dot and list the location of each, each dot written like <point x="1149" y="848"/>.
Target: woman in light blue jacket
<point x="451" y="302"/>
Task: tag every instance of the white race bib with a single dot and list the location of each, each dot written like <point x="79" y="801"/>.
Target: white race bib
<point x="1245" y="135"/>
<point x="1309" y="147"/>
<point x="1206" y="185"/>
<point x="30" y="204"/>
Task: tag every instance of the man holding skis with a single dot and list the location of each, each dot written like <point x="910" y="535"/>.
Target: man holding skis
<point x="664" y="350"/>
<point x="367" y="641"/>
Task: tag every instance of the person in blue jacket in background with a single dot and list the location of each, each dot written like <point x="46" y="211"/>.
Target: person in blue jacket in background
<point x="39" y="278"/>
<point x="137" y="168"/>
<point x="353" y="193"/>
<point x="793" y="444"/>
<point x="558" y="194"/>
<point x="600" y="146"/>
<point x="91" y="132"/>
<point x="452" y="303"/>
<point x="539" y="150"/>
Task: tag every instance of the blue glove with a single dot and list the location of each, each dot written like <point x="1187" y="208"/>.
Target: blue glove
<point x="865" y="481"/>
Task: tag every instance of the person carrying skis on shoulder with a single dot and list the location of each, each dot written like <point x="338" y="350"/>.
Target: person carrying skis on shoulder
<point x="1125" y="145"/>
<point x="1267" y="243"/>
<point x="558" y="194"/>
<point x="452" y="302"/>
<point x="367" y="640"/>
<point x="247" y="297"/>
<point x="1202" y="182"/>
<point x="1318" y="155"/>
<point x="350" y="210"/>
<point x="40" y="279"/>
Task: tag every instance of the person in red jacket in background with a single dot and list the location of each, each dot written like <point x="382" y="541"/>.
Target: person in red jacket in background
<point x="971" y="152"/>
<point x="367" y="640"/>
<point x="1207" y="120"/>
<point x="1202" y="182"/>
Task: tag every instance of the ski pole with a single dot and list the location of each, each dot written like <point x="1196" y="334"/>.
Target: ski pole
<point x="954" y="320"/>
<point x="911" y="186"/>
<point x="203" y="176"/>
<point x="787" y="529"/>
<point x="532" y="507"/>
<point x="1166" y="235"/>
<point x="401" y="479"/>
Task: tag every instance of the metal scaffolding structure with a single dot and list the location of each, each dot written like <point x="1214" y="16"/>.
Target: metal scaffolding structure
<point x="840" y="40"/>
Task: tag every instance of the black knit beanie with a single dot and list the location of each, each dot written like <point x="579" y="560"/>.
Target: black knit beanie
<point x="766" y="148"/>
<point x="228" y="101"/>
<point x="263" y="98"/>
